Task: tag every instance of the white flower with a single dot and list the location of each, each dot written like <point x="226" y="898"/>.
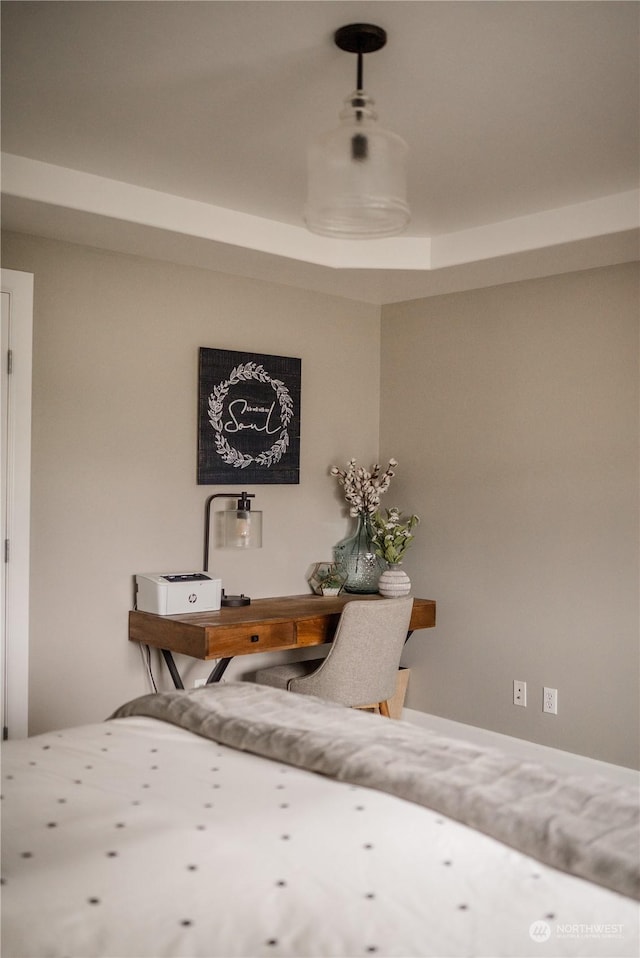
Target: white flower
<point x="362" y="489"/>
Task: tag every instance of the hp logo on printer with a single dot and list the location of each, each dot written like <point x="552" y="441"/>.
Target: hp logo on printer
<point x="193" y="598"/>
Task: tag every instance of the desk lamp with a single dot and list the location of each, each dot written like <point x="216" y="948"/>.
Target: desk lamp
<point x="241" y="529"/>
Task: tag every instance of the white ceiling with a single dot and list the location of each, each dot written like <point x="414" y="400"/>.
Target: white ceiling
<point x="521" y="118"/>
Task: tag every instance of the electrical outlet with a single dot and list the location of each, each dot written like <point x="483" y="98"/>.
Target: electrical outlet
<point x="550" y="701"/>
<point x="519" y="693"/>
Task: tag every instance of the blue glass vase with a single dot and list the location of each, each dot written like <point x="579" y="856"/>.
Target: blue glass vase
<point x="357" y="560"/>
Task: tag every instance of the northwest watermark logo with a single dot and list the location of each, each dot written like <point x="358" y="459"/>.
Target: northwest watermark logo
<point x="541" y="931"/>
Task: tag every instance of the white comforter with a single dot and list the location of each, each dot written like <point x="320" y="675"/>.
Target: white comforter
<point x="135" y="838"/>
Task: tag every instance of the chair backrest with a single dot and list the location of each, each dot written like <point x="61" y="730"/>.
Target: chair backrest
<point x="362" y="663"/>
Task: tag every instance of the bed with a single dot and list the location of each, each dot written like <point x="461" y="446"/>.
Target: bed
<point x="241" y="820"/>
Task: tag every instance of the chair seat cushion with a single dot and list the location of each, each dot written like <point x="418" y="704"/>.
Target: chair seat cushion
<point x="280" y="675"/>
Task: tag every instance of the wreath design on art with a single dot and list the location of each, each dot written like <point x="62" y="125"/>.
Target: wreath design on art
<point x="235" y="458"/>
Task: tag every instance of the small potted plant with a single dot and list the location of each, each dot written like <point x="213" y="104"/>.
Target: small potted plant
<point x="391" y="537"/>
<point x="330" y="580"/>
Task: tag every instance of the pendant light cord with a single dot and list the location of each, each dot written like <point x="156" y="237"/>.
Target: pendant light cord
<point x="360" y="88"/>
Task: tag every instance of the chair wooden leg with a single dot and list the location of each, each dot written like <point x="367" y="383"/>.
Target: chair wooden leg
<point x="384" y="709"/>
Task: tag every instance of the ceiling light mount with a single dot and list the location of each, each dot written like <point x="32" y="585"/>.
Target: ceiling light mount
<point x="357" y="173"/>
<point x="360" y="38"/>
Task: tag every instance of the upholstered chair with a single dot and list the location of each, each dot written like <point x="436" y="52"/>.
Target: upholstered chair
<point x="361" y="666"/>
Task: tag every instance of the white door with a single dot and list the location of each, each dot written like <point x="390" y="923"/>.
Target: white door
<point x="15" y="476"/>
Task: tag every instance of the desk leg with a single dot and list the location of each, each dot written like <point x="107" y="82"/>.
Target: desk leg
<point x="215" y="676"/>
<point x="171" y="665"/>
<point x="218" y="671"/>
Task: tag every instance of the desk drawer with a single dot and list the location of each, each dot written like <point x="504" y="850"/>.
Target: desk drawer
<point x="245" y="639"/>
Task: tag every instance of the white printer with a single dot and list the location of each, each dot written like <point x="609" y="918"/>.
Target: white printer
<point x="173" y="593"/>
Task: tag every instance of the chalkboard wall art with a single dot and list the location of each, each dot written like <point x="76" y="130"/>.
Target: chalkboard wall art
<point x="248" y="418"/>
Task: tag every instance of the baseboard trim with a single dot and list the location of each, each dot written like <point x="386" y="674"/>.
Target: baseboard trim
<point x="564" y="762"/>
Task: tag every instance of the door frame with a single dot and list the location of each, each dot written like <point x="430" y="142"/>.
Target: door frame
<point x="16" y="501"/>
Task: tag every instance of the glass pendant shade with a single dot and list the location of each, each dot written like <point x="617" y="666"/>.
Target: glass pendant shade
<point x="357" y="177"/>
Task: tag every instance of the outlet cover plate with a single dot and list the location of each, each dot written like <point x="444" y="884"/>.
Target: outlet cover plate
<point x="520" y="693"/>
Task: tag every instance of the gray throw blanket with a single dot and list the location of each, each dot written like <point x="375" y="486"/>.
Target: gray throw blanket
<point x="587" y="827"/>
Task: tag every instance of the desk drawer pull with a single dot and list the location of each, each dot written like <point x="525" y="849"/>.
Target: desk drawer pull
<point x="255" y="638"/>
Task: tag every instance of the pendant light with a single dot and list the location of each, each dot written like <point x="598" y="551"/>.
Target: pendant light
<point x="357" y="172"/>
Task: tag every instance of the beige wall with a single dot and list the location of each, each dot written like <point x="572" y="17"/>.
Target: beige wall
<point x="514" y="414"/>
<point x="114" y="450"/>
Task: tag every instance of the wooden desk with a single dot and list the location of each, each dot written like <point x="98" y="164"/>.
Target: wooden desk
<point x="267" y="625"/>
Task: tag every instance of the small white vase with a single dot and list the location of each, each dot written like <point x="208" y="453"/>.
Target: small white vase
<point x="394" y="582"/>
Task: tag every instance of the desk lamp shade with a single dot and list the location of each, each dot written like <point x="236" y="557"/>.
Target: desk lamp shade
<point x="357" y="172"/>
<point x="241" y="527"/>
